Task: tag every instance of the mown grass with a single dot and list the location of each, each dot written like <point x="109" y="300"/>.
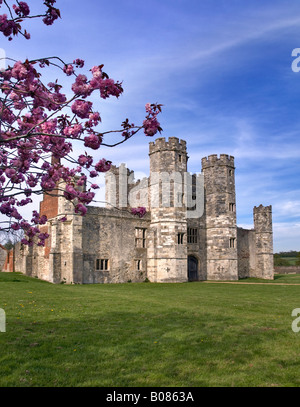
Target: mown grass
<point x="190" y="334"/>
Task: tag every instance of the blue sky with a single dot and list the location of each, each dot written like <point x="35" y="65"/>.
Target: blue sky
<point x="222" y="70"/>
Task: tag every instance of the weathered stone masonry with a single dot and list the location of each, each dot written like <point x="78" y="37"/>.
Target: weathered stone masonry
<point x="110" y="245"/>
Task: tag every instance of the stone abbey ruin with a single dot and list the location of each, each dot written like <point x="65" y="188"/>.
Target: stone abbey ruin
<point x="189" y="232"/>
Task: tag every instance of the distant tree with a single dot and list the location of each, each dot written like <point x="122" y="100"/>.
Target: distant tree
<point x="291" y="253"/>
<point x="298" y="259"/>
<point x="38" y="122"/>
<point x="9" y="245"/>
<point x="279" y="261"/>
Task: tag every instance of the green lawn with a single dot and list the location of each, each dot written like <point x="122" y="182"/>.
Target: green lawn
<point x="190" y="334"/>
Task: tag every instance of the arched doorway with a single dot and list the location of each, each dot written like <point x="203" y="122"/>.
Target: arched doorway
<point x="192" y="268"/>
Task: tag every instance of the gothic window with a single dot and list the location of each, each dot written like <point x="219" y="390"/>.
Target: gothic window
<point x="232" y="242"/>
<point x="102" y="265"/>
<point x="192" y="235"/>
<point x="179" y="158"/>
<point x="230" y="172"/>
<point x="180" y="238"/>
<point x="138" y="265"/>
<point x="140" y="237"/>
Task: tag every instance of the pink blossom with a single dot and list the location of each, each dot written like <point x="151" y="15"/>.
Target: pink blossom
<point x="68" y="69"/>
<point x="103" y="165"/>
<point x="85" y="160"/>
<point x="81" y="108"/>
<point x="80" y="208"/>
<point x="140" y="211"/>
<point x="70" y="193"/>
<point x="73" y="131"/>
<point x="92" y="141"/>
<point x="79" y="63"/>
<point x="93" y="174"/>
<point x="23" y="9"/>
<point x="81" y="86"/>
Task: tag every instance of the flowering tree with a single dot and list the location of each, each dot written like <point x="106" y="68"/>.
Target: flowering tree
<point x="39" y="125"/>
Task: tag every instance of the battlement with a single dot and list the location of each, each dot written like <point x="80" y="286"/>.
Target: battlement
<point x="173" y="144"/>
<point x="262" y="209"/>
<point x="213" y="160"/>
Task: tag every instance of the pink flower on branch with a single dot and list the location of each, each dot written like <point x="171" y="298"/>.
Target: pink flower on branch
<point x="36" y="125"/>
<point x="151" y="124"/>
<point x="82" y="108"/>
<point x="93" y="141"/>
<point x="140" y="211"/>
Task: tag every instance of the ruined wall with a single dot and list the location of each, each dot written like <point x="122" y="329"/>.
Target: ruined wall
<point x="263" y="241"/>
<point x="287" y="270"/>
<point x="116" y="237"/>
<point x="246" y="252"/>
<point x="3" y="254"/>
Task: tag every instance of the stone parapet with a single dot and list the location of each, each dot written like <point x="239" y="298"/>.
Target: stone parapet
<point x="213" y="160"/>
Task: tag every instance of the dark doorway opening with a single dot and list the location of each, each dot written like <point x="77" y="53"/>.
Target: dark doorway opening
<point x="192" y="268"/>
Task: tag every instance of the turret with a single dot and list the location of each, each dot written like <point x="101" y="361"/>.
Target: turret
<point x="220" y="217"/>
<point x="167" y="240"/>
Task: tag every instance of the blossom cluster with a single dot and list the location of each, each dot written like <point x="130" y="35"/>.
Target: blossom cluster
<point x="33" y="129"/>
<point x="140" y="211"/>
<point x="20" y="11"/>
<point x="39" y="127"/>
<point x="151" y="124"/>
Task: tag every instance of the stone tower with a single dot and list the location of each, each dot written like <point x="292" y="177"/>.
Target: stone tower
<point x="167" y="234"/>
<point x="220" y="214"/>
<point x="264" y="241"/>
<point x="116" y="186"/>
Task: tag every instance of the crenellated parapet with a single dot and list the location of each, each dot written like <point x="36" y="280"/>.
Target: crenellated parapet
<point x="173" y="144"/>
<point x="213" y="160"/>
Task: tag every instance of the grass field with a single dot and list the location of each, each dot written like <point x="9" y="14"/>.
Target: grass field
<point x="186" y="335"/>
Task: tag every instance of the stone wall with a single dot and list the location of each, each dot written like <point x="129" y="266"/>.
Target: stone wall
<point x="120" y="239"/>
<point x="287" y="270"/>
<point x="262" y="216"/>
<point x="246" y="252"/>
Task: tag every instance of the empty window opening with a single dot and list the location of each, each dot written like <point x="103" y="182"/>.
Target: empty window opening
<point x="140" y="237"/>
<point x="102" y="264"/>
<point x="232" y="242"/>
<point x="138" y="265"/>
<point x="232" y="207"/>
<point x="180" y="238"/>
